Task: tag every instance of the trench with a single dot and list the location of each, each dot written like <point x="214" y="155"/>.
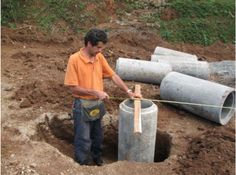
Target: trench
<point x="59" y="133"/>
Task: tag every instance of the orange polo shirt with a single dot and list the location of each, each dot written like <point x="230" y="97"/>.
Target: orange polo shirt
<point x="86" y="74"/>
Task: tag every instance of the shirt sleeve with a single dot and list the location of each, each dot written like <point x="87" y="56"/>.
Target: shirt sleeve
<point x="71" y="76"/>
<point x="107" y="71"/>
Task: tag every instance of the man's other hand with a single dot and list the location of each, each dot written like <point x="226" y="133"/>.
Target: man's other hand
<point x="102" y="95"/>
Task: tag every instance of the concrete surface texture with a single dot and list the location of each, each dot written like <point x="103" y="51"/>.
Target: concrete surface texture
<point x="137" y="147"/>
<point x="170" y="58"/>
<point x="142" y="71"/>
<point x="223" y="72"/>
<point x="165" y="51"/>
<point x="183" y="88"/>
<point x="199" y="69"/>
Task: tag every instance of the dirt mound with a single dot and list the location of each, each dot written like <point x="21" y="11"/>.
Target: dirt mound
<point x="41" y="93"/>
<point x="30" y="34"/>
<point x="130" y="43"/>
<point x="33" y="59"/>
<point x="211" y="153"/>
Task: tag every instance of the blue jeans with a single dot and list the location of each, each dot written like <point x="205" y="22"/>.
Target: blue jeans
<point x="88" y="136"/>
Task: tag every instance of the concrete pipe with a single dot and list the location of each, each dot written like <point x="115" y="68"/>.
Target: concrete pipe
<point x="183" y="88"/>
<point x="223" y="72"/>
<point x="199" y="69"/>
<point x="143" y="71"/>
<point x="158" y="58"/>
<point x="141" y="147"/>
<point x="165" y="51"/>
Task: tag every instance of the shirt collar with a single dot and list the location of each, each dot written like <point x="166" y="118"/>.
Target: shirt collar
<point x="85" y="58"/>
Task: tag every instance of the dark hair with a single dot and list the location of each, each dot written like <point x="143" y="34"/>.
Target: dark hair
<point x="94" y="36"/>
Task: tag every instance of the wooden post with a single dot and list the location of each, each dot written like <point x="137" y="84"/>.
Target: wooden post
<point x="137" y="112"/>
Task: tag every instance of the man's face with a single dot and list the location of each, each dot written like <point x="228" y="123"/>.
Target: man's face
<point x="94" y="50"/>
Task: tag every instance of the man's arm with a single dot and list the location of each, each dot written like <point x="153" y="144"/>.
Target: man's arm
<point x="120" y="83"/>
<point x="83" y="91"/>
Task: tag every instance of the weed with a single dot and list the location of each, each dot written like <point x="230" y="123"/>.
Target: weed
<point x="202" y="8"/>
<point x="133" y="4"/>
<point x="198" y="21"/>
<point x="12" y="11"/>
<point x="199" y="31"/>
<point x="150" y="18"/>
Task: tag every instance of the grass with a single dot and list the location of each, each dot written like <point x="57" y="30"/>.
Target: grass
<point x="12" y="12"/>
<point x="47" y="13"/>
<point x="202" y="8"/>
<point x="132" y="4"/>
<point x="70" y="11"/>
<point x="198" y="21"/>
<point x="198" y="31"/>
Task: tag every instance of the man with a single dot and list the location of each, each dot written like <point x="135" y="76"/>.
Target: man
<point x="84" y="77"/>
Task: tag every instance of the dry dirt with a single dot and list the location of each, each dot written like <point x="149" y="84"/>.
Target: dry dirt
<point x="37" y="130"/>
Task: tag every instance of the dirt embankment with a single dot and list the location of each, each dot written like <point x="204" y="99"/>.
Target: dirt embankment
<point x="33" y="68"/>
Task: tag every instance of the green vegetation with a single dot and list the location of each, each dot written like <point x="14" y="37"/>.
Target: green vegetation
<point x="47" y="13"/>
<point x="199" y="31"/>
<point x="198" y="21"/>
<point x="12" y="11"/>
<point x="194" y="21"/>
<point x="203" y="9"/>
<point x="133" y="4"/>
<point x="73" y="12"/>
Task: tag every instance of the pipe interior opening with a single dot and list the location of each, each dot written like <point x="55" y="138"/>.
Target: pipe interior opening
<point x="144" y="103"/>
<point x="229" y="102"/>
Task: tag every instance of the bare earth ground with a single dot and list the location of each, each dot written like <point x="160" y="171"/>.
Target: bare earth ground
<point x="37" y="132"/>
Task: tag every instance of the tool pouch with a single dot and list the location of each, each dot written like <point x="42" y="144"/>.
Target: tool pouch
<point x="92" y="109"/>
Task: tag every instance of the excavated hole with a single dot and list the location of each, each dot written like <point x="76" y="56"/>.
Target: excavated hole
<point x="163" y="146"/>
<point x="59" y="133"/>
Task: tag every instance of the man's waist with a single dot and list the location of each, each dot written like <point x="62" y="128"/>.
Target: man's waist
<point x="85" y="97"/>
<point x="89" y="102"/>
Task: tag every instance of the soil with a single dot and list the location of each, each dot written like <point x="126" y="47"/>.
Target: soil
<point x="37" y="129"/>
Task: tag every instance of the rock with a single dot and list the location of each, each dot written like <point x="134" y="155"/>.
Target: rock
<point x="33" y="165"/>
<point x="106" y="119"/>
<point x="25" y="103"/>
<point x="8" y="88"/>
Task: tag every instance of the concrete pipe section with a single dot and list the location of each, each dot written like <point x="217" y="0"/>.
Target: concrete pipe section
<point x="183" y="88"/>
<point x="165" y="51"/>
<point x="171" y="58"/>
<point x="137" y="147"/>
<point x="142" y="71"/>
<point x="223" y="72"/>
<point x="199" y="69"/>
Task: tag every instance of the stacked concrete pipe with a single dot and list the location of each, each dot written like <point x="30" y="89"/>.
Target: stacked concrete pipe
<point x="142" y="71"/>
<point x="170" y="58"/>
<point x="223" y="72"/>
<point x="183" y="88"/>
<point x="182" y="62"/>
<point x="199" y="69"/>
<point x="169" y="52"/>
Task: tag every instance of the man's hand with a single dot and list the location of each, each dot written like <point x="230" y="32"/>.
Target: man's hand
<point x="122" y="85"/>
<point x="134" y="95"/>
<point x="102" y="95"/>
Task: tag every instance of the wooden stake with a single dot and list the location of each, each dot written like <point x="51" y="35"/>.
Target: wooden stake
<point x="137" y="112"/>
